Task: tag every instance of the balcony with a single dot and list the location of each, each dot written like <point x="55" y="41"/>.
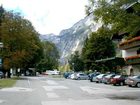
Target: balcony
<point x="134" y="42"/>
<point x="133" y="59"/>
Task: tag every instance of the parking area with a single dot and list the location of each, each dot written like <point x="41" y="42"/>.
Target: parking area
<point x="106" y="79"/>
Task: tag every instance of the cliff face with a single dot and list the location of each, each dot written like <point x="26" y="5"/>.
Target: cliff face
<point x="72" y="39"/>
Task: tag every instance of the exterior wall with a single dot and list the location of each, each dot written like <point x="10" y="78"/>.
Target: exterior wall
<point x="130" y="52"/>
<point x="136" y="69"/>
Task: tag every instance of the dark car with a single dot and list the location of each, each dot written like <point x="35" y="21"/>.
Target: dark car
<point x="67" y="74"/>
<point x="1" y="74"/>
<point x="107" y="78"/>
<point x="133" y="81"/>
<point x="119" y="79"/>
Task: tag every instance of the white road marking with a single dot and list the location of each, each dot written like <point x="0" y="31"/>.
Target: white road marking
<point x="87" y="89"/>
<point x="52" y="95"/>
<point x="1" y="101"/>
<point x="92" y="90"/>
<point x="17" y="89"/>
<point x="48" y="88"/>
<point x="51" y="88"/>
<point x="29" y="83"/>
<point x="50" y="82"/>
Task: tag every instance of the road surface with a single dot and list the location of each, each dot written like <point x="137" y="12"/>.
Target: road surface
<point x="59" y="91"/>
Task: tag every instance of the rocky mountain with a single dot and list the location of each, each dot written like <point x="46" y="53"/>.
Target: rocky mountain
<point x="72" y="39"/>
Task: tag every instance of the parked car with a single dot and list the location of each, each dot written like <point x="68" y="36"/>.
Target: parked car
<point x="107" y="78"/>
<point x="99" y="78"/>
<point x="92" y="78"/>
<point x="79" y="76"/>
<point x="1" y="74"/>
<point x="82" y="76"/>
<point x="72" y="76"/>
<point x="52" y="72"/>
<point x="119" y="79"/>
<point x="133" y="81"/>
<point x="67" y="74"/>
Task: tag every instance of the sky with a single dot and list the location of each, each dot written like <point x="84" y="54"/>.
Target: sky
<point x="49" y="16"/>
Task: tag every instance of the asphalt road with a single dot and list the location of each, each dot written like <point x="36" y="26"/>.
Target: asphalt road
<point x="59" y="91"/>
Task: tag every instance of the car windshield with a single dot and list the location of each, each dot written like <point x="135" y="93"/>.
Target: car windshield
<point x="100" y="75"/>
<point x="135" y="76"/>
<point x="118" y="76"/>
<point x="108" y="76"/>
<point x="81" y="74"/>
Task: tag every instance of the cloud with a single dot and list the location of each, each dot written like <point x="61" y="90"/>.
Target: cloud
<point x="49" y="16"/>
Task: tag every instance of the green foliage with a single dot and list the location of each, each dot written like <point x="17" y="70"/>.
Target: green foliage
<point x="50" y="57"/>
<point x="76" y="63"/>
<point x="1" y="14"/>
<point x="117" y="15"/>
<point x="22" y="46"/>
<point x="98" y="46"/>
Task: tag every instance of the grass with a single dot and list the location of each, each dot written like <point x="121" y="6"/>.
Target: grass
<point x="8" y="82"/>
<point x="56" y="76"/>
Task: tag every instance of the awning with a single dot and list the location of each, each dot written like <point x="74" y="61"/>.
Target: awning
<point x="109" y="59"/>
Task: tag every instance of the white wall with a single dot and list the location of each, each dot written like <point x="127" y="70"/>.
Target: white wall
<point x="129" y="52"/>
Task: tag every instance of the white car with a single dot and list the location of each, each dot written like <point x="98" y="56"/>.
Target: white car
<point x="52" y="72"/>
<point x="99" y="78"/>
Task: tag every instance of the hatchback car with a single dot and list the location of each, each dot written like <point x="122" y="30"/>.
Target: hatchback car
<point x="107" y="78"/>
<point x="82" y="76"/>
<point x="99" y="78"/>
<point x="93" y="77"/>
<point x="119" y="79"/>
<point x="133" y="81"/>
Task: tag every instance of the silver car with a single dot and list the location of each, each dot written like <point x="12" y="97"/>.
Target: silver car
<point x="82" y="76"/>
<point x="133" y="81"/>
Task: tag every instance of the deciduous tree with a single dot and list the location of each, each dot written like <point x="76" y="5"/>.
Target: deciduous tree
<point x="22" y="46"/>
<point x="119" y="15"/>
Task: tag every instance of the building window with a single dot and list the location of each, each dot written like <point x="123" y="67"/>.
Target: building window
<point x="138" y="51"/>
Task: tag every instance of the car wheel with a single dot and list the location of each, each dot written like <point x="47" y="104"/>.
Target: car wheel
<point x="78" y="78"/>
<point x="121" y="83"/>
<point x="91" y="80"/>
<point x="129" y="85"/>
<point x="138" y="85"/>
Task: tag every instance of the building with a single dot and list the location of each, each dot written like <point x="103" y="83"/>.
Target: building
<point x="131" y="53"/>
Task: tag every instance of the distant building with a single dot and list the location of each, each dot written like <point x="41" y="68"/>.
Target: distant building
<point x="130" y="49"/>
